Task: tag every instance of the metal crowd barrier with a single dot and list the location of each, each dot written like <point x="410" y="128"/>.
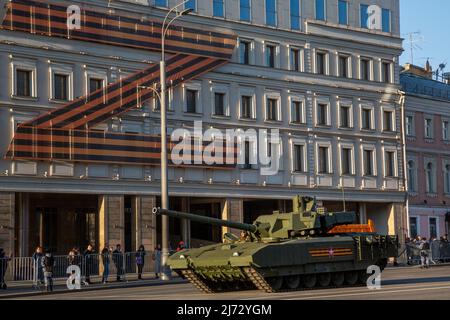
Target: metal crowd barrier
<point x="439" y="252"/>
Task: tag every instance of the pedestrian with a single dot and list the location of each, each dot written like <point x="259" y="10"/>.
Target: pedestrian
<point x="140" y="254"/>
<point x="88" y="260"/>
<point x="118" y="261"/>
<point x="157" y="259"/>
<point x="105" y="260"/>
<point x="48" y="262"/>
<point x="4" y="259"/>
<point x="424" y="247"/>
<point x="37" y="262"/>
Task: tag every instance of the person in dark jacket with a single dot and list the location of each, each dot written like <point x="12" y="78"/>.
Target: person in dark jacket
<point x="48" y="263"/>
<point x="140" y="254"/>
<point x="4" y="259"/>
<point x="37" y="262"/>
<point x="88" y="259"/>
<point x="118" y="261"/>
<point x="105" y="260"/>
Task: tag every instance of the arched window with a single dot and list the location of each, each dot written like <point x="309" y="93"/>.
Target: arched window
<point x="429" y="173"/>
<point x="447" y="178"/>
<point x="411" y="176"/>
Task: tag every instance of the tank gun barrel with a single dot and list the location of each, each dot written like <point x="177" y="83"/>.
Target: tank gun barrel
<point x="217" y="222"/>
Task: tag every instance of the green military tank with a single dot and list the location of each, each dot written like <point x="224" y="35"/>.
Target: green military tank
<point x="307" y="248"/>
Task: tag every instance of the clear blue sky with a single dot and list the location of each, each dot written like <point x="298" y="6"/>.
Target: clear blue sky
<point x="432" y="19"/>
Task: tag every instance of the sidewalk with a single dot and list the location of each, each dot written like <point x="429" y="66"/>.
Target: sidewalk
<point x="26" y="289"/>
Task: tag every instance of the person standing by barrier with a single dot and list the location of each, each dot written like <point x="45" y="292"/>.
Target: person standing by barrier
<point x="88" y="263"/>
<point x="118" y="261"/>
<point x="157" y="258"/>
<point x="48" y="262"/>
<point x="37" y="262"/>
<point x="105" y="260"/>
<point x="140" y="254"/>
<point x="4" y="259"/>
<point x="424" y="247"/>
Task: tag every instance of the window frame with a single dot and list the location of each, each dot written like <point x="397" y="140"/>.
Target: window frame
<point x="329" y="163"/>
<point x="391" y="110"/>
<point x="221" y="89"/>
<point x="193" y="86"/>
<point x="299" y="142"/>
<point x="322" y="101"/>
<point x="275" y="25"/>
<point x="299" y="17"/>
<point x="301" y="99"/>
<point x="249" y="11"/>
<point x="316" y="16"/>
<point x="325" y="54"/>
<point x="373" y="158"/>
<point x="247" y="92"/>
<point x="60" y="69"/>
<point x="370" y="68"/>
<point x="394" y="164"/>
<point x="223" y="9"/>
<point x="346" y="12"/>
<point x="272" y="96"/>
<point x="351" y="159"/>
<point x="371" y="110"/>
<point x="28" y="66"/>
<point x="349" y="105"/>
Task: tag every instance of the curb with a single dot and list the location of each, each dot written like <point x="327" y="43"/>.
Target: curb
<point x="123" y="286"/>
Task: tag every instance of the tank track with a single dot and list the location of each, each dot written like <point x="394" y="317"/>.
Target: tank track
<point x="196" y="281"/>
<point x="258" y="280"/>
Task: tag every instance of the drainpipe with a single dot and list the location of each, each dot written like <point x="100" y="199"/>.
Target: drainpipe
<point x="405" y="162"/>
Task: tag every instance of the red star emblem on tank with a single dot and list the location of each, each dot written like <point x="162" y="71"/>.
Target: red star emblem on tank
<point x="331" y="252"/>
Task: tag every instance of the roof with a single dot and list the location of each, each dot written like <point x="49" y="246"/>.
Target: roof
<point x="416" y="85"/>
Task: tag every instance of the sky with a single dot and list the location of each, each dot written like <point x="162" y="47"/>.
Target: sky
<point x="431" y="19"/>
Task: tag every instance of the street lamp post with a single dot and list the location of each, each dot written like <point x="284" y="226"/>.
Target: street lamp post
<point x="164" y="182"/>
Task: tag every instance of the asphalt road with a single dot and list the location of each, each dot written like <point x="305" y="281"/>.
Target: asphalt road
<point x="397" y="283"/>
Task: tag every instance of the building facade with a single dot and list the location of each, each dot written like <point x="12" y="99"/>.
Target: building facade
<point x="314" y="70"/>
<point x="427" y="102"/>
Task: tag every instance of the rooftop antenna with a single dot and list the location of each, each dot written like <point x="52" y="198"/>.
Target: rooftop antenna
<point x="413" y="39"/>
<point x="440" y="69"/>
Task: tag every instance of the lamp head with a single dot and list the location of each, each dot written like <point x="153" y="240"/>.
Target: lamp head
<point x="185" y="12"/>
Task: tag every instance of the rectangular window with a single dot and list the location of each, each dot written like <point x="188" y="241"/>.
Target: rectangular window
<point x="366" y="119"/>
<point x="245" y="10"/>
<point x="270" y="55"/>
<point x="246" y="105"/>
<point x="23" y="83"/>
<point x="390" y="164"/>
<point x="386" y="20"/>
<point x="323" y="160"/>
<point x="191" y="101"/>
<point x="409" y="125"/>
<point x="219" y="104"/>
<point x="271" y="13"/>
<point x="320" y="62"/>
<point x="295" y="14"/>
<point x="445" y="132"/>
<point x="298" y="158"/>
<point x="343" y="66"/>
<point x="368" y="163"/>
<point x="218" y="9"/>
<point x="388" y="121"/>
<point x="322" y="114"/>
<point x="365" y="69"/>
<point x="346" y="161"/>
<point x="345" y="117"/>
<point x="343" y="12"/>
<point x="320" y="10"/>
<point x="95" y="84"/>
<point x="297" y="112"/>
<point x="190" y="5"/>
<point x="247" y="164"/>
<point x="60" y="83"/>
<point x="161" y="3"/>
<point x="413" y="231"/>
<point x="386" y="72"/>
<point x="429" y="128"/>
<point x="364" y="16"/>
<point x="295" y="59"/>
<point x="244" y="47"/>
<point x="433" y="228"/>
<point x="272" y="109"/>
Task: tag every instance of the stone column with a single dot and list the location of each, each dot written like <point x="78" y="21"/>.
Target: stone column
<point x="24" y="224"/>
<point x="397" y="225"/>
<point x="232" y="210"/>
<point x="111" y="220"/>
<point x="144" y="222"/>
<point x="362" y="213"/>
<point x="186" y="224"/>
<point x="7" y="223"/>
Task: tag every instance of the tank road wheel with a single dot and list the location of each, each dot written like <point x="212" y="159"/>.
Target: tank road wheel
<point x="309" y="281"/>
<point x="351" y="278"/>
<point x="276" y="283"/>
<point x="363" y="276"/>
<point x="324" y="280"/>
<point x="338" y="279"/>
<point x="292" y="282"/>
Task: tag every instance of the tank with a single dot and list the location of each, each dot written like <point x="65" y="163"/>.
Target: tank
<point x="307" y="248"/>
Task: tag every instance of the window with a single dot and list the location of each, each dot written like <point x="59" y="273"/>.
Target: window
<point x="295" y="14"/>
<point x="445" y="127"/>
<point x="429" y="128"/>
<point x="322" y="114"/>
<point x="388" y="118"/>
<point x="447" y="179"/>
<point x="409" y="123"/>
<point x="366" y="119"/>
<point x="272" y="109"/>
<point x="323" y="165"/>
<point x="246" y="107"/>
<point x="343" y="66"/>
<point x="23" y="83"/>
<point x="271" y="13"/>
<point x="346" y="161"/>
<point x="429" y="175"/>
<point x="386" y="72"/>
<point x="295" y="59"/>
<point x="433" y="228"/>
<point x="320" y="63"/>
<point x="345" y="117"/>
<point x="365" y="69"/>
<point x="320" y="10"/>
<point x="298" y="154"/>
<point x="244" y="47"/>
<point x="95" y="84"/>
<point x="390" y="164"/>
<point x="413" y="231"/>
<point x="161" y="3"/>
<point x="386" y="20"/>
<point x="296" y="112"/>
<point x="190" y="5"/>
<point x="364" y="16"/>
<point x="270" y="55"/>
<point x="219" y="104"/>
<point x="218" y="9"/>
<point x="60" y="83"/>
<point x="411" y="176"/>
<point x="191" y="101"/>
<point x="368" y="163"/>
<point x="247" y="147"/>
<point x="343" y="12"/>
<point x="245" y="10"/>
